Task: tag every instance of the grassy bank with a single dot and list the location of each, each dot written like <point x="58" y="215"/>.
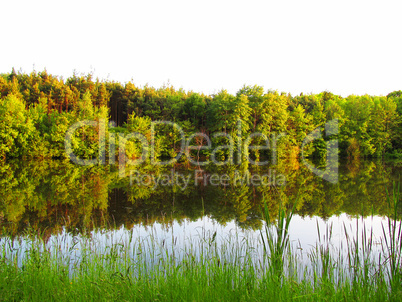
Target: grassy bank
<point x="268" y="268"/>
<point x="207" y="278"/>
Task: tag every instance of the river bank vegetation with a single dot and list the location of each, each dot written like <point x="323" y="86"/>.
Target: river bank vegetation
<point x="37" y="109"/>
<point x="268" y="268"/>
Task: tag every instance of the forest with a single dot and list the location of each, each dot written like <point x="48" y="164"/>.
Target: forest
<point x="36" y="110"/>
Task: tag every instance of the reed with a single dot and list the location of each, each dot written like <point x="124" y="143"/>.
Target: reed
<point x="207" y="267"/>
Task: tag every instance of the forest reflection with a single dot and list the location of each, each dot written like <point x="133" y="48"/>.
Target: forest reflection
<point x="51" y="195"/>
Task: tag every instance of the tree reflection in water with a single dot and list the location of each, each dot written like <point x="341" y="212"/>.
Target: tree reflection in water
<point x="49" y="196"/>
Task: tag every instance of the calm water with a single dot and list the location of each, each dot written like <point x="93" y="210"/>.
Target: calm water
<point x="65" y="203"/>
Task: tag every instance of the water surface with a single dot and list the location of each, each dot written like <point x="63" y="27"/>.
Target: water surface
<point x="63" y="202"/>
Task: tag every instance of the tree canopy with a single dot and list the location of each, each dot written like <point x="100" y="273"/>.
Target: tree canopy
<point x="37" y="109"/>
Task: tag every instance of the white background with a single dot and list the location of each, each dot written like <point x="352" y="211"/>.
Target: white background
<point x="346" y="47"/>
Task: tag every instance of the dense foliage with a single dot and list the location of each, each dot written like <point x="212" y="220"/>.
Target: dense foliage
<point x="36" y="110"/>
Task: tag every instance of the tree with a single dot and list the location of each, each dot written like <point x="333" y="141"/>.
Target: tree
<point x="254" y="95"/>
<point x="383" y="124"/>
<point x="396" y="96"/>
<point x="16" y="127"/>
<point x="194" y="110"/>
<point x="218" y="112"/>
<point x="300" y="126"/>
<point x="356" y="129"/>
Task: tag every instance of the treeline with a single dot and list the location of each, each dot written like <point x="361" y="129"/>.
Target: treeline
<point x="36" y="110"/>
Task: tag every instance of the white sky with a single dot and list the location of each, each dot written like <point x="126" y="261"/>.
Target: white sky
<point x="346" y="47"/>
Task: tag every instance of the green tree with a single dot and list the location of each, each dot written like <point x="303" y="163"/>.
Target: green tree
<point x="383" y="124"/>
<point x="16" y="127"/>
<point x="356" y="130"/>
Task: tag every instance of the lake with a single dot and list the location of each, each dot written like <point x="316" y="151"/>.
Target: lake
<point x="65" y="204"/>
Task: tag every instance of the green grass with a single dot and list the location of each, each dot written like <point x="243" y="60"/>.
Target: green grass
<point x="209" y="269"/>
